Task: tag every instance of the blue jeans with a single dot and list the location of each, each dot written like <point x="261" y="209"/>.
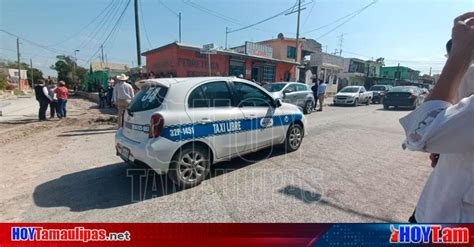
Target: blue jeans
<point x="61" y="108"/>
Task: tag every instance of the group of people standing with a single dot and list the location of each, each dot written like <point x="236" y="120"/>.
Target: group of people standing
<point x="319" y="92"/>
<point x="54" y="96"/>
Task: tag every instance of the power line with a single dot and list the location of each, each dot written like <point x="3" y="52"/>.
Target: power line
<point x="341" y="18"/>
<point x="112" y="31"/>
<point x="264" y="20"/>
<point x="102" y="26"/>
<point x="86" y="26"/>
<point x="310" y="12"/>
<point x="222" y="17"/>
<point x="168" y="8"/>
<point x="144" y="26"/>
<point x="350" y="18"/>
<point x="52" y="50"/>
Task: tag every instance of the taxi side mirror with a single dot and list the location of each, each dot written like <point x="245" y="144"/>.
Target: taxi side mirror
<point x="277" y="103"/>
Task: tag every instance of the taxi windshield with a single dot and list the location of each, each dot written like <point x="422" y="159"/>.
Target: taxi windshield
<point x="148" y="98"/>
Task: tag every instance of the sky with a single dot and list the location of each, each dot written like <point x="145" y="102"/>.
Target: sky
<point x="410" y="32"/>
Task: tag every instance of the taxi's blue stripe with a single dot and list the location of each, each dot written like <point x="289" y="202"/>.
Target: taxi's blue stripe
<point x="196" y="131"/>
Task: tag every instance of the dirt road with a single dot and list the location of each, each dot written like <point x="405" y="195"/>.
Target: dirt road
<point x="350" y="168"/>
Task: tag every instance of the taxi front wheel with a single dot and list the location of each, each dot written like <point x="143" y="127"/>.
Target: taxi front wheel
<point x="189" y="166"/>
<point x="294" y="137"/>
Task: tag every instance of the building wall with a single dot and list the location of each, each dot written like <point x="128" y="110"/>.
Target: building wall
<point x="186" y="63"/>
<point x="405" y="73"/>
<point x="162" y="61"/>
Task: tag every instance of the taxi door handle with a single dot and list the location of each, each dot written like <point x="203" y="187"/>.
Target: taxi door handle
<point x="204" y="121"/>
<point x="252" y="116"/>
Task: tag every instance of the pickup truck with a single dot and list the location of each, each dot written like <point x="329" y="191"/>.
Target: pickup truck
<point x="353" y="95"/>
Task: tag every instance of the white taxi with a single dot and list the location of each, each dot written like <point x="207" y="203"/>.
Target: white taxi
<point x="180" y="126"/>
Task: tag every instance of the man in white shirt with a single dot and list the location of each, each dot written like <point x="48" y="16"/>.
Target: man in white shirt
<point x="440" y="127"/>
<point x="123" y="94"/>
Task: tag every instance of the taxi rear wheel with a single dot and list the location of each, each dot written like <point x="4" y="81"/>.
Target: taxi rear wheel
<point x="294" y="137"/>
<point x="189" y="166"/>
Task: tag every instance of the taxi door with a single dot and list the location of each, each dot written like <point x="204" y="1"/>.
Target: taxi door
<point x="215" y="118"/>
<point x="260" y="116"/>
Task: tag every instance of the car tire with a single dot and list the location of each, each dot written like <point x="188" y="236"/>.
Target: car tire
<point x="356" y="102"/>
<point x="308" y="107"/>
<point x="386" y="107"/>
<point x="190" y="166"/>
<point x="294" y="137"/>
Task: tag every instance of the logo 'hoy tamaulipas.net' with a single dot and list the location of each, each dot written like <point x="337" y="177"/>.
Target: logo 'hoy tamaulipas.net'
<point x="435" y="234"/>
<point x="72" y="234"/>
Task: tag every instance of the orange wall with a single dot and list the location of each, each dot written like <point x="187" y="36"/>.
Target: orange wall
<point x="190" y="63"/>
<point x="185" y="63"/>
<point x="163" y="60"/>
<point x="280" y="48"/>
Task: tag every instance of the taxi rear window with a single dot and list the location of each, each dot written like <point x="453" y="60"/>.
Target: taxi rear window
<point x="148" y="98"/>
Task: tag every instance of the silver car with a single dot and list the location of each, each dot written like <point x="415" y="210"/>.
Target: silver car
<point x="295" y="93"/>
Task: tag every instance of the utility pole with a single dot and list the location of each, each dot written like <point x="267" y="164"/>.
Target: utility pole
<point x="137" y="34"/>
<point x="430" y="71"/>
<point x="341" y="40"/>
<point x="102" y="53"/>
<point x="226" y="32"/>
<point x="297" y="72"/>
<point x="179" y="17"/>
<point x="74" y="68"/>
<point x="32" y="76"/>
<point x="18" y="55"/>
<point x="209" y="63"/>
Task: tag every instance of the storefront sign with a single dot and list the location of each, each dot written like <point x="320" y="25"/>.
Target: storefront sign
<point x="255" y="49"/>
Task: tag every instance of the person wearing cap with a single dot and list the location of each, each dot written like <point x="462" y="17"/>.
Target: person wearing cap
<point x="123" y="94"/>
<point x="442" y="126"/>
<point x="62" y="94"/>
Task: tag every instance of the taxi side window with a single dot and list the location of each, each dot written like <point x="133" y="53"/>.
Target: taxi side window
<point x="251" y="96"/>
<point x="213" y="94"/>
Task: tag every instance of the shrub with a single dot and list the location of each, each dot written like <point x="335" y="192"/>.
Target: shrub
<point x="9" y="87"/>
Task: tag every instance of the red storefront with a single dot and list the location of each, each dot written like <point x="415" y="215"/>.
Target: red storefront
<point x="181" y="60"/>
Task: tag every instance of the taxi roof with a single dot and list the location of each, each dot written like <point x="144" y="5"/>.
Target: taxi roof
<point x="167" y="82"/>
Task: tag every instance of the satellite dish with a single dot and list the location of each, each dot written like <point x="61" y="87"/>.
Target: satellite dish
<point x="280" y="36"/>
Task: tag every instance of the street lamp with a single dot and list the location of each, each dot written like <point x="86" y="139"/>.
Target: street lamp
<point x="74" y="68"/>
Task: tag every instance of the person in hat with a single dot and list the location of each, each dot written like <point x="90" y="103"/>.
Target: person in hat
<point x="62" y="94"/>
<point x="123" y="94"/>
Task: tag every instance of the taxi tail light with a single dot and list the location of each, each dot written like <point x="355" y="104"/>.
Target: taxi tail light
<point x="156" y="126"/>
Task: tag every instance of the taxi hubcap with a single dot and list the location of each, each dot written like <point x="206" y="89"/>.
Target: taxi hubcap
<point x="295" y="137"/>
<point x="192" y="166"/>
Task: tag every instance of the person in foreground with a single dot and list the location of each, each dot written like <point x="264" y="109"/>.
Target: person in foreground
<point x="442" y="128"/>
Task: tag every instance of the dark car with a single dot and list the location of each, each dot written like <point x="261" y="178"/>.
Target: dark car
<point x="404" y="96"/>
<point x="379" y="92"/>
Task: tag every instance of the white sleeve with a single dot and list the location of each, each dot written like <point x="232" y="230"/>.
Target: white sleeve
<point x="439" y="127"/>
<point x="46" y="93"/>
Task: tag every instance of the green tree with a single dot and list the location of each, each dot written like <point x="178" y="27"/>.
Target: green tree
<point x="65" y="67"/>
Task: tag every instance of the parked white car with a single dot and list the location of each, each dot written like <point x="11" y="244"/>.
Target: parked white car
<point x="180" y="126"/>
<point x="353" y="95"/>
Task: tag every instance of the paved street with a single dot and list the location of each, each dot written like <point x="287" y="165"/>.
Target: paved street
<point x="350" y="168"/>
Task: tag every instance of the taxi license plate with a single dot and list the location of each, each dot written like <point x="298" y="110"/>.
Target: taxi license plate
<point x="125" y="153"/>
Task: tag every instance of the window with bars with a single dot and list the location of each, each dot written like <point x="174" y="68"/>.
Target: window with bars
<point x="269" y="73"/>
